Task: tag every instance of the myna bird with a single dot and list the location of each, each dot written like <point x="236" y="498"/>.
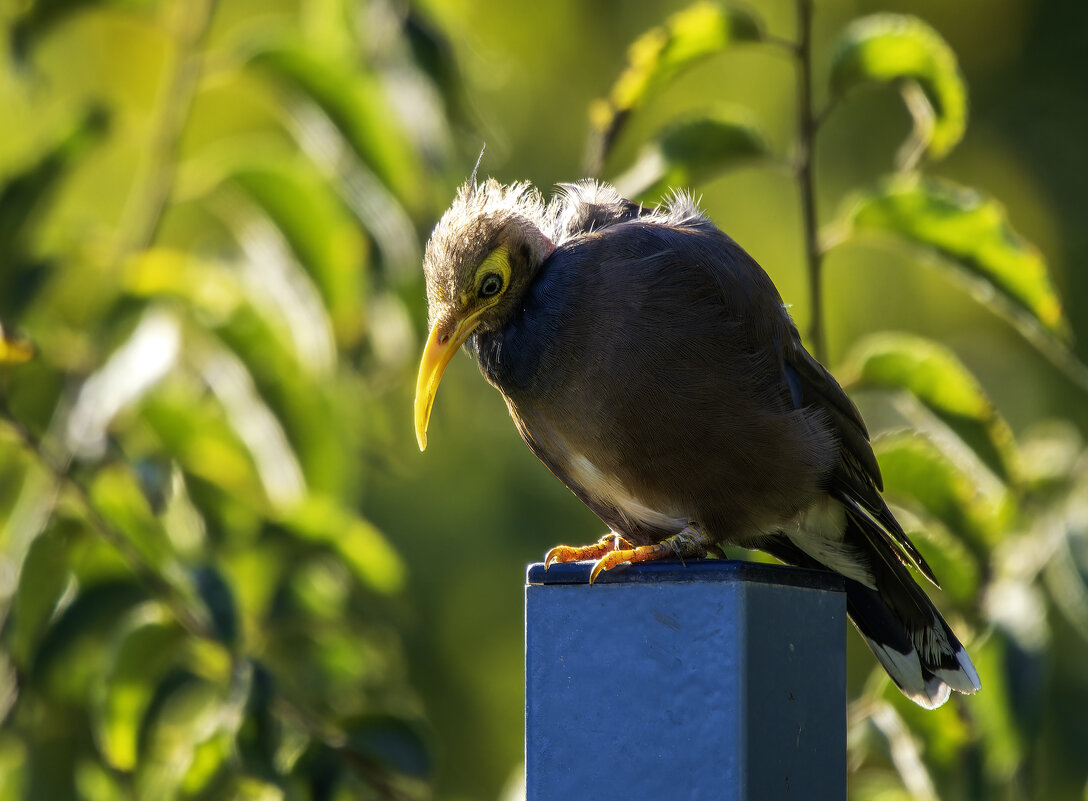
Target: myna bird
<point x="650" y="363"/>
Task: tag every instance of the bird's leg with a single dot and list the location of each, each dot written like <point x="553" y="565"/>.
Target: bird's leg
<point x="690" y="543"/>
<point x="609" y="543"/>
<point x="613" y="550"/>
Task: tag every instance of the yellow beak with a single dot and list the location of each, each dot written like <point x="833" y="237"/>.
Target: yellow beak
<point x="445" y="338"/>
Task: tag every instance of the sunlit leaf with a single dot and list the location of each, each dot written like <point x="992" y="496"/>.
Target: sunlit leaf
<point x="117" y="497"/>
<point x="915" y="467"/>
<point x="355" y="101"/>
<point x="210" y="288"/>
<point x="936" y="377"/>
<point x="146" y="649"/>
<point x="971" y="232"/>
<point x="41" y="16"/>
<point x="661" y="53"/>
<point x="363" y="548"/>
<point x="692" y="152"/>
<point x="885" y="48"/>
<point x="23" y="197"/>
<point x="195" y="432"/>
<point x="186" y="712"/>
<point x="322" y="234"/>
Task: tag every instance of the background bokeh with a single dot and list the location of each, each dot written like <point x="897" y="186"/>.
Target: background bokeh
<point x="226" y="569"/>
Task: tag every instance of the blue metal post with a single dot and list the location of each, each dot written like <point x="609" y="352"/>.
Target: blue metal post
<point x="712" y="680"/>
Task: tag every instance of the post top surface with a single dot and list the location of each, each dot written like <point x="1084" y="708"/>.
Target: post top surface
<point x="691" y="571"/>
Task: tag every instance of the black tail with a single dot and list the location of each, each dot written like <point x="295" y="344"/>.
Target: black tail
<point x="901" y="625"/>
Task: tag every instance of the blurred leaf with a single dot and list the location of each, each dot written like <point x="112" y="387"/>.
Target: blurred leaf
<point x="322" y="234"/>
<point x="1003" y="749"/>
<point x="258" y="736"/>
<point x="72" y="656"/>
<point x="13" y="760"/>
<point x="364" y="549"/>
<point x="662" y="53"/>
<point x="215" y="592"/>
<point x="1049" y="450"/>
<point x="147" y="647"/>
<point x="117" y="496"/>
<point x="22" y="199"/>
<point x="936" y="377"/>
<point x="210" y="288"/>
<point x="41" y="16"/>
<point x="433" y="53"/>
<point x="94" y="782"/>
<point x="185" y="713"/>
<point x="390" y="742"/>
<point x="195" y="432"/>
<point x="355" y="102"/>
<point x="915" y="467"/>
<point x="971" y="232"/>
<point x="886" y="48"/>
<point x="693" y="152"/>
<point x="955" y="566"/>
<point x="42" y="579"/>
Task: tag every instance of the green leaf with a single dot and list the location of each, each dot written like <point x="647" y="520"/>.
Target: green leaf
<point x="209" y="287"/>
<point x="390" y="742"/>
<point x="117" y="497"/>
<point x="938" y="379"/>
<point x="1002" y="742"/>
<point x="148" y="646"/>
<point x="886" y="48"/>
<point x="364" y="549"/>
<point x="694" y="151"/>
<point x="218" y="599"/>
<point x="13" y="767"/>
<point x="971" y="232"/>
<point x="23" y="198"/>
<point x="42" y="579"/>
<point x="664" y="52"/>
<point x="72" y="656"/>
<point x="915" y="467"/>
<point x="322" y="234"/>
<point x="186" y="713"/>
<point x="355" y="101"/>
<point x="952" y="562"/>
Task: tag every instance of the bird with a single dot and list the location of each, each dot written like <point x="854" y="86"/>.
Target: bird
<point x="650" y="363"/>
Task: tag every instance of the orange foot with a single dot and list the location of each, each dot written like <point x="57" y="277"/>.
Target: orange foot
<point x="613" y="550"/>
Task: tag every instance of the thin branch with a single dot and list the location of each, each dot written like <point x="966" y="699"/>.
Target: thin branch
<point x="808" y="124"/>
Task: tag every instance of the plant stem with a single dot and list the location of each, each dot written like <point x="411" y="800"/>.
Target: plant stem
<point x="808" y="124"/>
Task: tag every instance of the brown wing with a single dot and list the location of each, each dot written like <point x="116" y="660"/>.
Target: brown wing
<point x="856" y="479"/>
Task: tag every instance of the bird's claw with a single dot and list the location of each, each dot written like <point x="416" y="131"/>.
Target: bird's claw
<point x="612" y="550"/>
<point x="609" y="543"/>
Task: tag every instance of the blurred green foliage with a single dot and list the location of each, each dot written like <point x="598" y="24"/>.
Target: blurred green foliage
<point x="226" y="572"/>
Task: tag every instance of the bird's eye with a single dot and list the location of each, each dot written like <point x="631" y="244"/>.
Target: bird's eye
<point x="490" y="286"/>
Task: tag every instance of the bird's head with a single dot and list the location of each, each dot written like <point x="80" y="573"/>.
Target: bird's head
<point x="479" y="260"/>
